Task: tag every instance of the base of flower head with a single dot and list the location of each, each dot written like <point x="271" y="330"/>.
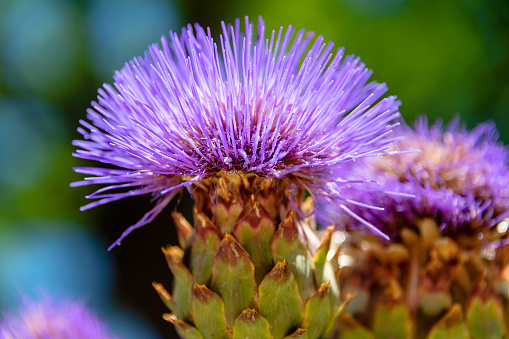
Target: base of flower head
<point x="245" y="267"/>
<point x="424" y="283"/>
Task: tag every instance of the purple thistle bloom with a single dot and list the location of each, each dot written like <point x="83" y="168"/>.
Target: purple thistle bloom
<point x="50" y="320"/>
<point x="459" y="178"/>
<point x="277" y="107"/>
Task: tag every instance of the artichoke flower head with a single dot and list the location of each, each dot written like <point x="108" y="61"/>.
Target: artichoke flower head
<point x="444" y="273"/>
<point x="255" y="129"/>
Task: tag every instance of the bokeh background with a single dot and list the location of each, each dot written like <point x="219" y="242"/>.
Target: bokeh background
<point x="439" y="57"/>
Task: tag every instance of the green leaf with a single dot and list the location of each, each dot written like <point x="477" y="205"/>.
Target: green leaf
<point x="392" y="322"/>
<point x="233" y="278"/>
<point x="182" y="282"/>
<point x="451" y="326"/>
<point x="205" y="245"/>
<point x="185" y="331"/>
<point x="208" y="313"/>
<point x="485" y="319"/>
<point x="254" y="231"/>
<point x="279" y="301"/>
<point x="251" y="325"/>
<point x="286" y="245"/>
<point x="317" y="313"/>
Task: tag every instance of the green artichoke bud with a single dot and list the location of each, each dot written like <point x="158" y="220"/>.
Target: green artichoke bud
<point x="247" y="268"/>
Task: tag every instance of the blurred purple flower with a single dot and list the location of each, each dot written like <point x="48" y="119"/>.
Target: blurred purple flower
<point x="281" y="107"/>
<point x="49" y="320"/>
<point x="458" y="178"/>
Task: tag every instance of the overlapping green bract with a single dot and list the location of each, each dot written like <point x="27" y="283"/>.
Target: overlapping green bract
<point x="263" y="280"/>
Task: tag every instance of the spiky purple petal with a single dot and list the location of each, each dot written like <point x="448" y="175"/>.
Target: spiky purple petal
<point x="191" y="108"/>
<point x="458" y="178"/>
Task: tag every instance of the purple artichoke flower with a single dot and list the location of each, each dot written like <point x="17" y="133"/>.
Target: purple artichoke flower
<point x="278" y="107"/>
<point x="460" y="179"/>
<point x="49" y="320"/>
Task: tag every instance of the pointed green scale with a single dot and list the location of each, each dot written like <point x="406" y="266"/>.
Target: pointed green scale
<point x="185" y="331"/>
<point x="229" y="203"/>
<point x="485" y="319"/>
<point x="208" y="313"/>
<point x="254" y="231"/>
<point x="182" y="282"/>
<point x="204" y="248"/>
<point x="286" y="245"/>
<point x="352" y="329"/>
<point x="392" y="322"/>
<point x="330" y="276"/>
<point x="300" y="333"/>
<point x="335" y="317"/>
<point x="184" y="229"/>
<point x="317" y="313"/>
<point x="263" y="190"/>
<point x="324" y="271"/>
<point x="450" y="326"/>
<point x="321" y="255"/>
<point x="164" y="295"/>
<point x="279" y="301"/>
<point x="251" y="325"/>
<point x="233" y="278"/>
